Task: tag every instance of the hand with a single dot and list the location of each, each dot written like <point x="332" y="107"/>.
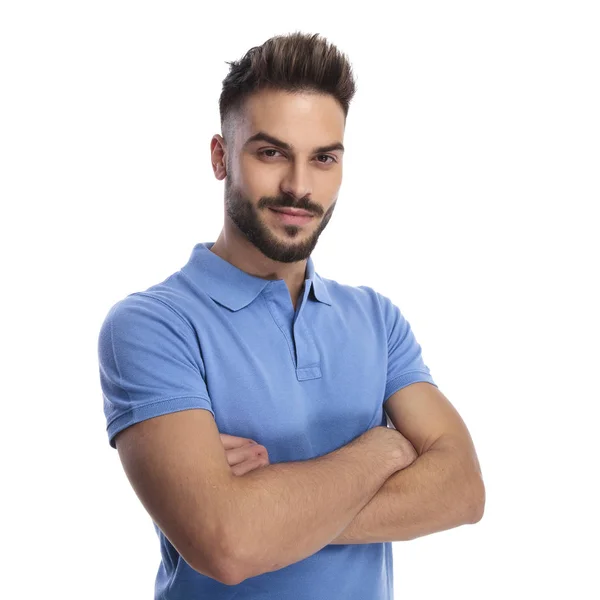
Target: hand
<point x="409" y="454"/>
<point x="393" y="447"/>
<point x="243" y="454"/>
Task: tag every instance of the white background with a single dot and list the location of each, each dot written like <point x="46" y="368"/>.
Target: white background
<point x="471" y="185"/>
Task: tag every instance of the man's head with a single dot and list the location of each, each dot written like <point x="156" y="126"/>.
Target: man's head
<point x="283" y="113"/>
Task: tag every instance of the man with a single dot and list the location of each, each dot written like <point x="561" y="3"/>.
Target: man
<point x="248" y="397"/>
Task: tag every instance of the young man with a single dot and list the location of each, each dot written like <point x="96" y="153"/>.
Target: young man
<point x="247" y="343"/>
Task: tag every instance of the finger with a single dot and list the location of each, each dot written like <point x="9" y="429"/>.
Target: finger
<point x="245" y="467"/>
<point x="238" y="455"/>
<point x="232" y="441"/>
<point x="249" y="465"/>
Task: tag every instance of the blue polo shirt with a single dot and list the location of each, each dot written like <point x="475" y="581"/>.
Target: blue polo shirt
<point x="301" y="382"/>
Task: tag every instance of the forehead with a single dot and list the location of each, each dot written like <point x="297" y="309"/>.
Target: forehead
<point x="303" y="119"/>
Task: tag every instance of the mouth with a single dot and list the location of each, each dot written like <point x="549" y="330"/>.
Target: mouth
<point x="288" y="217"/>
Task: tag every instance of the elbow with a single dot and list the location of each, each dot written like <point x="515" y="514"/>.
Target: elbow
<point x="213" y="556"/>
<point x="477" y="504"/>
<point x="235" y="562"/>
<point x="242" y="558"/>
<point x="217" y="566"/>
<point x="228" y="574"/>
<point x="231" y="555"/>
<point x="217" y="548"/>
<point x="230" y="571"/>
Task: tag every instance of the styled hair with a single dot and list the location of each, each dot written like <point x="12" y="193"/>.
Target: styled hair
<point x="296" y="62"/>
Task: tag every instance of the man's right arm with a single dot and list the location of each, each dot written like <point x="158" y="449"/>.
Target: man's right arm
<point x="226" y="527"/>
<point x="231" y="528"/>
<point x="285" y="512"/>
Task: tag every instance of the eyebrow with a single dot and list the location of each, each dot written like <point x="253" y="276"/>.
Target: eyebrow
<point x="265" y="137"/>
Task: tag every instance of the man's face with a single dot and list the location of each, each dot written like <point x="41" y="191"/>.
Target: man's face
<point x="264" y="173"/>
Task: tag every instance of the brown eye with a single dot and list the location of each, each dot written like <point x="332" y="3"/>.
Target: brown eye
<point x="326" y="156"/>
<point x="264" y="152"/>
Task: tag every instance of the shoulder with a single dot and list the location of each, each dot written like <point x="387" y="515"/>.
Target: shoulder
<point x="141" y="314"/>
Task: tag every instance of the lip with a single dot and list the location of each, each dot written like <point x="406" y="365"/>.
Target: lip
<point x="291" y="219"/>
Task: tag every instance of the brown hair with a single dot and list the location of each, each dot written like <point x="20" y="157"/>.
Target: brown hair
<point x="296" y="62"/>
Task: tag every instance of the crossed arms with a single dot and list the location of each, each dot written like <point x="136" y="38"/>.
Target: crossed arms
<point x="443" y="488"/>
<point x="231" y="528"/>
<point x="316" y="503"/>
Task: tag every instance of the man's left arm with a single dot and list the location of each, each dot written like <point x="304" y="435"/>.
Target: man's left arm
<point x="443" y="488"/>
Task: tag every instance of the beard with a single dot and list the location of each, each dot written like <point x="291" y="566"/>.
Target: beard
<point x="294" y="244"/>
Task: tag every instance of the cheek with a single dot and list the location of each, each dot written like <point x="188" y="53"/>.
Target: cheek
<point x="256" y="180"/>
<point x="330" y="184"/>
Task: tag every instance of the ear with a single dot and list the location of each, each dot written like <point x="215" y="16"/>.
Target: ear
<point x="218" y="155"/>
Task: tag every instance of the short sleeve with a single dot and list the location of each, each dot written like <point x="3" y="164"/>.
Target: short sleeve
<point x="150" y="363"/>
<point x="405" y="361"/>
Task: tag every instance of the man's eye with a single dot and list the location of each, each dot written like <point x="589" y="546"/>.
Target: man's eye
<point x="326" y="156"/>
<point x="264" y="152"/>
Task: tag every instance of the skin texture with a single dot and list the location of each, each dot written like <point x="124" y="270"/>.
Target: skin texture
<point x="261" y="174"/>
<point x="245" y="455"/>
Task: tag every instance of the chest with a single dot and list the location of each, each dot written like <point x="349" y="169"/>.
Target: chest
<point x="302" y="387"/>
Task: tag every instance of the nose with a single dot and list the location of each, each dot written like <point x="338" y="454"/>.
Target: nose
<point x="296" y="182"/>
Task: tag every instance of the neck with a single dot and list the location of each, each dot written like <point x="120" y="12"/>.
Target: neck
<point x="239" y="252"/>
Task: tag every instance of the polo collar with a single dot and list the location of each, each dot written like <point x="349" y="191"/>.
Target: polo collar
<point x="233" y="287"/>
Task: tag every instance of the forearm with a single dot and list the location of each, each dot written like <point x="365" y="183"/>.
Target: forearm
<point x="438" y="491"/>
<point x="285" y="512"/>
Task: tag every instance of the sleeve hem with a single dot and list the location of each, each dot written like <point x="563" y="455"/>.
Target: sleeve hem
<point x="401" y="381"/>
<point x="155" y="409"/>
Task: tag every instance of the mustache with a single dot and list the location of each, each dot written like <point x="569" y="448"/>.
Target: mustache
<point x="287" y="202"/>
